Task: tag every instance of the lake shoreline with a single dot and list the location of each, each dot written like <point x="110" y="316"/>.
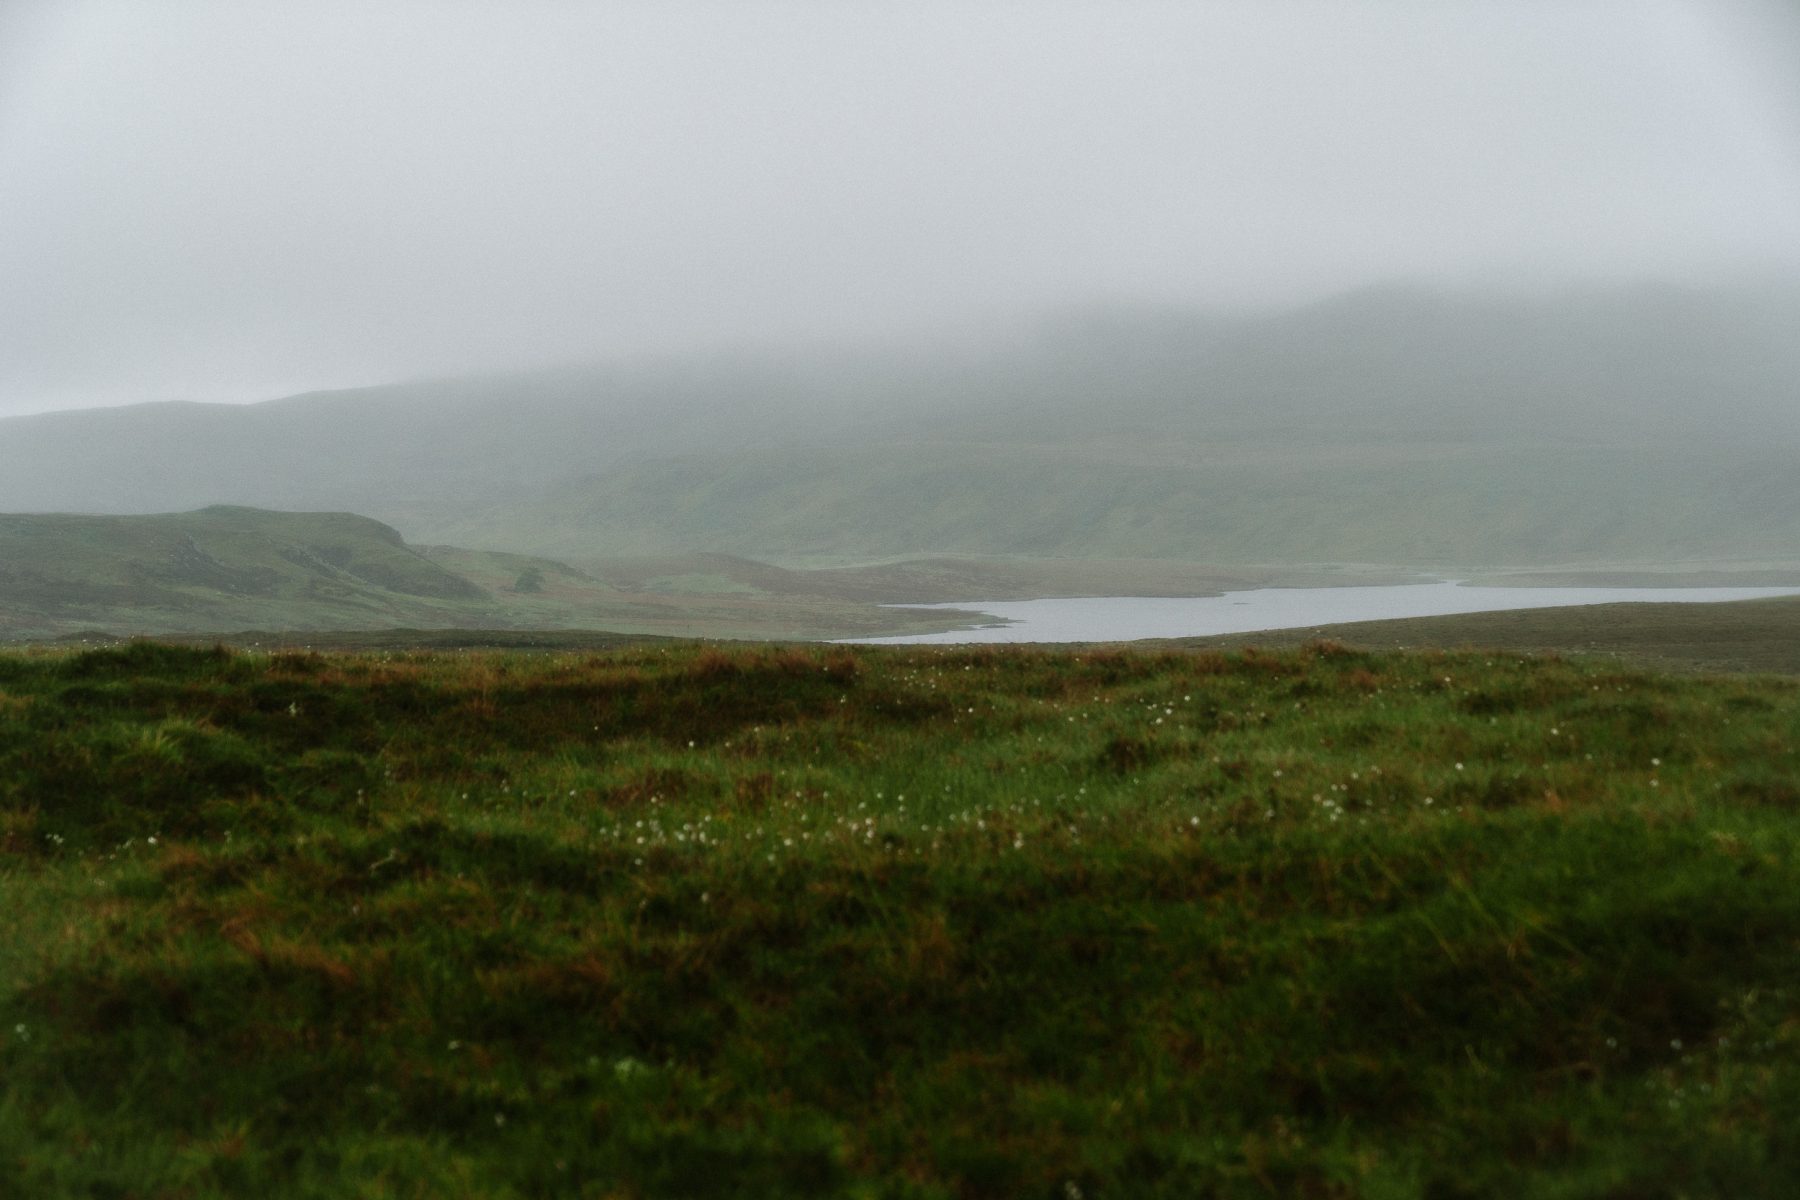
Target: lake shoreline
<point x="1074" y="620"/>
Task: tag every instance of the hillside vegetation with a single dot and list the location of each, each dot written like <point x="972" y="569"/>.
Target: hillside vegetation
<point x="218" y="565"/>
<point x="683" y="922"/>
<point x="1391" y="425"/>
<point x="228" y="569"/>
<point x="1448" y="506"/>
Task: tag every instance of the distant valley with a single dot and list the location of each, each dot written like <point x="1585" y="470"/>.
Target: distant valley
<point x="226" y="570"/>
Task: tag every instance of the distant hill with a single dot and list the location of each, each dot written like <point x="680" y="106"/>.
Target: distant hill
<point x="220" y="568"/>
<point x="1393" y="425"/>
<point x="225" y="569"/>
<point x="1448" y="505"/>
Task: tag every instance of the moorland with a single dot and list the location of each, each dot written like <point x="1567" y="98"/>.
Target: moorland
<point x="668" y="919"/>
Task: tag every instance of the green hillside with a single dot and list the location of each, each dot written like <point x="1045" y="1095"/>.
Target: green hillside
<point x="226" y="569"/>
<point x="1439" y="504"/>
<point x="1392" y="425"/>
<point x="222" y="565"/>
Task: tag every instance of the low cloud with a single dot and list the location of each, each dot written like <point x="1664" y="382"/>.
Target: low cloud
<point x="230" y="201"/>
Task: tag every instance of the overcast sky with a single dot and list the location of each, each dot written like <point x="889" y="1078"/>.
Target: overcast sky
<point x="235" y="200"/>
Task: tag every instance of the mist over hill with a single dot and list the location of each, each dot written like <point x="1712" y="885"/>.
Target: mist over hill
<point x="1394" y="424"/>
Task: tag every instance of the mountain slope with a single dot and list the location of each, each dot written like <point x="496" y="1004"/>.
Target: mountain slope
<point x="1444" y="505"/>
<point x="1394" y="424"/>
<point x="219" y="568"/>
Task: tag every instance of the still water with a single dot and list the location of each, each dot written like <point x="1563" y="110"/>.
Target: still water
<point x="1124" y="618"/>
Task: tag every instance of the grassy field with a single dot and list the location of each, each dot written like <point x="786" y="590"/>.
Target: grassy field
<point x="671" y="920"/>
<point x="1742" y="636"/>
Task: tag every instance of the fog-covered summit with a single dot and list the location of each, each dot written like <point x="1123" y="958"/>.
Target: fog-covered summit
<point x="1402" y="422"/>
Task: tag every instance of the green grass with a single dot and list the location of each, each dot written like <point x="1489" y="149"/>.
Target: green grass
<point x="679" y="921"/>
<point x="1744" y="635"/>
